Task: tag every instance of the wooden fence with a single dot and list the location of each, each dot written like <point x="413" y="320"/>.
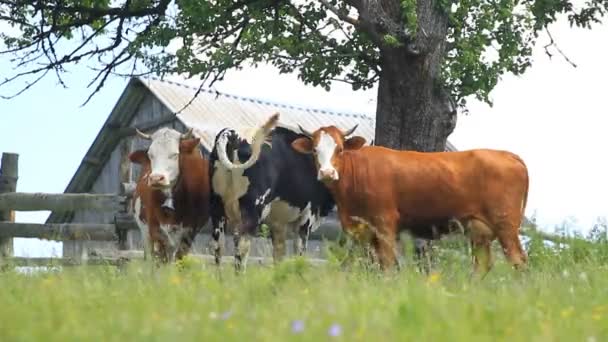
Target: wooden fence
<point x="11" y="201"/>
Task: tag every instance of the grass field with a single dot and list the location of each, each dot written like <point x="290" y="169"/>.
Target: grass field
<point x="563" y="296"/>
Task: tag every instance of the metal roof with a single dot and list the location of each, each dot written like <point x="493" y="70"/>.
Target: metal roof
<point x="209" y="112"/>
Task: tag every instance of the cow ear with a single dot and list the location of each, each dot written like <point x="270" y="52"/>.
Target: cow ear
<point x="188" y="145"/>
<point x="138" y="157"/>
<point x="354" y="143"/>
<point x="302" y="145"/>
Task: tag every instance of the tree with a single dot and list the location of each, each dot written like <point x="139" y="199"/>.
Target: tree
<point x="427" y="56"/>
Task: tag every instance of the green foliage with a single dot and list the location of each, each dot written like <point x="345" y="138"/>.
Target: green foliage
<point x="410" y="18"/>
<point x="485" y="38"/>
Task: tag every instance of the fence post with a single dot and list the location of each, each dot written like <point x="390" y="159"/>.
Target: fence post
<point x="8" y="183"/>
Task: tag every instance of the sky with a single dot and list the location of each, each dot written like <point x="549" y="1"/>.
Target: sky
<point x="554" y="116"/>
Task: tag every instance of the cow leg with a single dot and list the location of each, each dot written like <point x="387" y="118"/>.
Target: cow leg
<point x="158" y="244"/>
<point x="218" y="223"/>
<point x="278" y="235"/>
<point x="242" y="239"/>
<point x="385" y="248"/>
<point x="384" y="242"/>
<point x="481" y="239"/>
<point x="242" y="246"/>
<point x="511" y="246"/>
<point x="218" y="240"/>
<point x="185" y="243"/>
<point x="422" y="255"/>
<point x="301" y="241"/>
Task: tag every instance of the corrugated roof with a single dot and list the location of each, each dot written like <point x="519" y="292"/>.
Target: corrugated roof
<point x="210" y="111"/>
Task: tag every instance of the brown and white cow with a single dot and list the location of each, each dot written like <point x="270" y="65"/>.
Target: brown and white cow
<point x="171" y="200"/>
<point x="380" y="191"/>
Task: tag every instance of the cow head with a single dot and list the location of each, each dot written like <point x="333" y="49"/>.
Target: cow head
<point x="327" y="145"/>
<point x="164" y="152"/>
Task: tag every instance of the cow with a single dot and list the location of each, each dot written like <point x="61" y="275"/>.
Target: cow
<point x="380" y="192"/>
<point x="171" y="199"/>
<point x="422" y="247"/>
<point x="259" y="179"/>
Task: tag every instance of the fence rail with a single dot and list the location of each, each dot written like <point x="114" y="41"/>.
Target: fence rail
<point x="60" y="231"/>
<point x="21" y="201"/>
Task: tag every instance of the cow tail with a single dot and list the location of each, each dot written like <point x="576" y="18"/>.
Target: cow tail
<point x="524" y="201"/>
<point x="256" y="146"/>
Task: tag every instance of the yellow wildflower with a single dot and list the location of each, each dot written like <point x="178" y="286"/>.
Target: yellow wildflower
<point x="175" y="280"/>
<point x="565" y="313"/>
<point x="433" y="278"/>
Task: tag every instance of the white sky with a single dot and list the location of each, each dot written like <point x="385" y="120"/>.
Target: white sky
<point x="554" y="117"/>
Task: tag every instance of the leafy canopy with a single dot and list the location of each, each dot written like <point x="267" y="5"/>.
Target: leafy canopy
<point x="322" y="40"/>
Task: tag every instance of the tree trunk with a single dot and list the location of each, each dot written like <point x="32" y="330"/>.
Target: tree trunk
<point x="414" y="111"/>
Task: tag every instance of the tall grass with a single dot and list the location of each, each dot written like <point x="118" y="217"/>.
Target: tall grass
<point x="562" y="296"/>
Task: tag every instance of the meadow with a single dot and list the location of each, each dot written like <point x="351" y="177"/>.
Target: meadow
<point x="562" y="296"/>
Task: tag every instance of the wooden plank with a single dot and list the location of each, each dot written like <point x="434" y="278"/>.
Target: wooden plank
<point x="59" y="231"/>
<point x="21" y="201"/>
<point x="9" y="173"/>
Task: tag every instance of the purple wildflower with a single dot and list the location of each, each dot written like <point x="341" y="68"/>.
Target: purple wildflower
<point x="297" y="326"/>
<point x="226" y="315"/>
<point x="335" y="330"/>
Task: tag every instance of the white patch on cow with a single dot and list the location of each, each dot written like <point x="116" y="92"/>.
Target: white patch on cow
<point x="262" y="199"/>
<point x="173" y="234"/>
<point x="144" y="230"/>
<point x="164" y="156"/>
<point x="265" y="212"/>
<point x="313" y="220"/>
<point x="230" y="185"/>
<point x="325" y="150"/>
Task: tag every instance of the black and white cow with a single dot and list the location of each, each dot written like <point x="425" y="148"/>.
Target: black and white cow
<point x="262" y="179"/>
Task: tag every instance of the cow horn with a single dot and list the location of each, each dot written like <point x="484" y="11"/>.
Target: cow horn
<point x="351" y="131"/>
<point x="143" y="135"/>
<point x="188" y="134"/>
<point x="305" y="132"/>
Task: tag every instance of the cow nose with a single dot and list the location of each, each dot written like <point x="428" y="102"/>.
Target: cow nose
<point x="157" y="180"/>
<point x="328" y="174"/>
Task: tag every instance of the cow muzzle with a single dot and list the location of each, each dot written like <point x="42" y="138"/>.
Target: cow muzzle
<point x="158" y="181"/>
<point x="328" y="175"/>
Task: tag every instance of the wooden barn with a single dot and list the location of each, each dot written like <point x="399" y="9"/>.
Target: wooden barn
<point x="148" y="104"/>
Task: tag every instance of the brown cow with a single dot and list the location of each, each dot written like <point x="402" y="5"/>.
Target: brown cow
<point x="379" y="191"/>
<point x="171" y="199"/>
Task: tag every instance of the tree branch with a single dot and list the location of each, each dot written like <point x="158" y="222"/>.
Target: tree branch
<point x="552" y="43"/>
<point x="340" y="15"/>
<point x="53" y="19"/>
